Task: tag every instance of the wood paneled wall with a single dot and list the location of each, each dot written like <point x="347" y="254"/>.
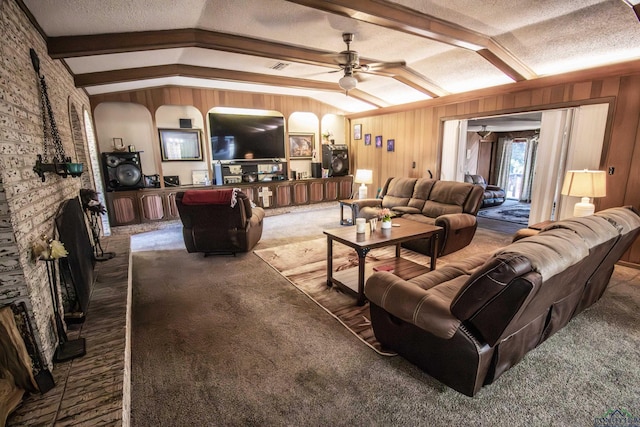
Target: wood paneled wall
<point x="206" y="99"/>
<point x="417" y="128"/>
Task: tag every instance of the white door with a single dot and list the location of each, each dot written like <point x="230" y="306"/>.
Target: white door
<point x="454" y="148"/>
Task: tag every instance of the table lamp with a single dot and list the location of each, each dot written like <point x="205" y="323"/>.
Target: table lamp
<point x="363" y="176"/>
<point x="585" y="184"/>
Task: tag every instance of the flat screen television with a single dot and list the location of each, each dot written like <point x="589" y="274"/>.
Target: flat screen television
<point x="246" y="137"/>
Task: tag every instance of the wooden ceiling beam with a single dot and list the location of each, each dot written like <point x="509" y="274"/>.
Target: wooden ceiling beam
<point x="101" y="44"/>
<point x="160" y="71"/>
<point x="417" y="81"/>
<point x="400" y="18"/>
<point x="368" y="98"/>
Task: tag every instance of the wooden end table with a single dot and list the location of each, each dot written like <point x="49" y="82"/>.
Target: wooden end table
<point x="352" y="280"/>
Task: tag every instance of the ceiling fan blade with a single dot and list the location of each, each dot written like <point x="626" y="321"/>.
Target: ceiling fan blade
<point x="360" y="77"/>
<point x="382" y="65"/>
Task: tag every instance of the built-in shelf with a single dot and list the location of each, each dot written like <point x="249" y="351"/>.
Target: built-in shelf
<point x="158" y="204"/>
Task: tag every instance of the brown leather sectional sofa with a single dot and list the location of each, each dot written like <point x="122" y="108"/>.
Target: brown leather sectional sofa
<point x="468" y="322"/>
<point x="449" y="204"/>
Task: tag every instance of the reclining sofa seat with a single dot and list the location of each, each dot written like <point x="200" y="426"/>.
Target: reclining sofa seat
<point x="493" y="195"/>
<point x="219" y="221"/>
<point x="449" y="204"/>
<point x="468" y="322"/>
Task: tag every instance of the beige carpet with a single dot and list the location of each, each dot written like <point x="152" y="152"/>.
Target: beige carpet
<point x="304" y="265"/>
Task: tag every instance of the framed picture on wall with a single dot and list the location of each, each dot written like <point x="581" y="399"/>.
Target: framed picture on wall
<point x="391" y="145"/>
<point x="180" y="145"/>
<point x="301" y="145"/>
<point x="379" y="141"/>
<point x="367" y="139"/>
<point x="357" y="131"/>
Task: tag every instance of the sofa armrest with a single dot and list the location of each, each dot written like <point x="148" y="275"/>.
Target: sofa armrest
<point x="358" y="205"/>
<point x="493" y="188"/>
<point x="427" y="309"/>
<point x="257" y="217"/>
<point x="458" y="231"/>
<point x="456" y="221"/>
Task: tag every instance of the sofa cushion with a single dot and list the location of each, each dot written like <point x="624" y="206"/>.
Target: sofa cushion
<point x="594" y="230"/>
<point x="421" y="193"/>
<point x="399" y="192"/>
<point x="406" y="210"/>
<point x="446" y="197"/>
<point x="625" y="220"/>
<point x="550" y="252"/>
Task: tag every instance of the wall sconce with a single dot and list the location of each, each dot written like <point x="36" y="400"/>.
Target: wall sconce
<point x="63" y="169"/>
<point x="364" y="176"/>
<point x="585" y="184"/>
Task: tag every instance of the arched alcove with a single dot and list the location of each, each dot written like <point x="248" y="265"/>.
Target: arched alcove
<point x="303" y="124"/>
<point x="333" y="125"/>
<point x="171" y="117"/>
<point x="131" y="124"/>
<point x="79" y="147"/>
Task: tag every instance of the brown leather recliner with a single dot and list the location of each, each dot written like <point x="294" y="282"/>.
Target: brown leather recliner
<point x="219" y="221"/>
<point x="493" y="195"/>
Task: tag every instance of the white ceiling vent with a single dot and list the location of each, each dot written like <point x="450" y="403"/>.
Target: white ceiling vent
<point x="280" y="66"/>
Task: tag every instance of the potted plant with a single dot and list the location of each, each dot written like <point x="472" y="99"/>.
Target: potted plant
<point x="385" y="217"/>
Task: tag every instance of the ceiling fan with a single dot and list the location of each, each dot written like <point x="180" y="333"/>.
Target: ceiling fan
<point x="349" y="62"/>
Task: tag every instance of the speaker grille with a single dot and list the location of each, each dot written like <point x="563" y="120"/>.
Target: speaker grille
<point x="122" y="171"/>
<point x="335" y="158"/>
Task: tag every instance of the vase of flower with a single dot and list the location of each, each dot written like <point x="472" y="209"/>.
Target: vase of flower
<point x="385" y="217"/>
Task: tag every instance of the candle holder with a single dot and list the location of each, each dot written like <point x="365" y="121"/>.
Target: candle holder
<point x="63" y="169"/>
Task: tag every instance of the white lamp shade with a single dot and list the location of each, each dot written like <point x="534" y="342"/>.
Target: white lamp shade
<point x="348" y="82"/>
<point x="584" y="184"/>
<point x="364" y="176"/>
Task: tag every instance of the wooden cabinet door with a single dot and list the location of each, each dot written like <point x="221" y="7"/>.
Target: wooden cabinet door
<point x="316" y="191"/>
<point x="301" y="193"/>
<point x="123" y="208"/>
<point x="152" y="207"/>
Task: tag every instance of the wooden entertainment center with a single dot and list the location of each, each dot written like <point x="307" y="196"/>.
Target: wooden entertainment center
<point x="158" y="204"/>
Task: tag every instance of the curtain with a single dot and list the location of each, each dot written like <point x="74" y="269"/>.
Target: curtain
<point x="503" y="162"/>
<point x="529" y="165"/>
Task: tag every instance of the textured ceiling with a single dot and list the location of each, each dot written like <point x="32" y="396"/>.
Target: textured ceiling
<point x="448" y="45"/>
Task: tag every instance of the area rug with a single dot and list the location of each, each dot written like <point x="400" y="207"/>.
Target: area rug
<point x="304" y="265"/>
<point x="518" y="213"/>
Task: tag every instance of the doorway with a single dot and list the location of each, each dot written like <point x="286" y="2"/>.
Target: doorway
<point x="530" y="172"/>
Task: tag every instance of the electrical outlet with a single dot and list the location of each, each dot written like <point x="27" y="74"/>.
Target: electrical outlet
<point x="611" y="170"/>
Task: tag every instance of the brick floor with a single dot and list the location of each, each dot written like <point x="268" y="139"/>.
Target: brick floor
<point x="93" y="389"/>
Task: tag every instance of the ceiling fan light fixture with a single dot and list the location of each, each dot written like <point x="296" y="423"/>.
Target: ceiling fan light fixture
<point x="348" y="82"/>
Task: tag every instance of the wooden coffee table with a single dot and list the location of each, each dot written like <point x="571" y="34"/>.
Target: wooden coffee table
<point x="352" y="280"/>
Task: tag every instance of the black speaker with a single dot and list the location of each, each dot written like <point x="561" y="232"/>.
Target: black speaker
<point x="335" y="158"/>
<point x="122" y="171"/>
<point x="316" y="170"/>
